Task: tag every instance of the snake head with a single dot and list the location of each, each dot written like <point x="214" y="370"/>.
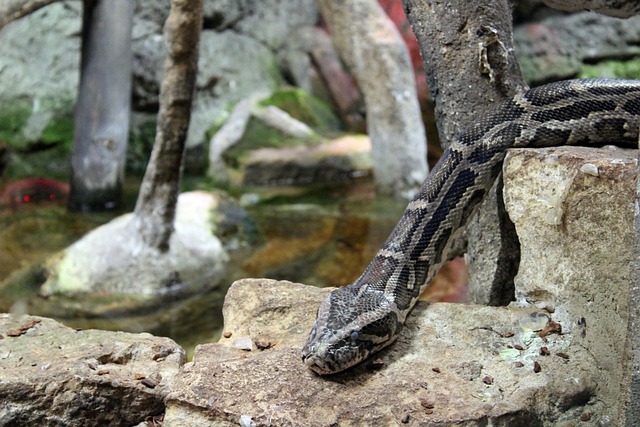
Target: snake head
<point x="352" y="324"/>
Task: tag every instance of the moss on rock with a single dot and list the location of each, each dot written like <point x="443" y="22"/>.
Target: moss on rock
<point x="629" y="69"/>
<point x="306" y="108"/>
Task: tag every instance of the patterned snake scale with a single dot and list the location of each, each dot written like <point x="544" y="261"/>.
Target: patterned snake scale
<point x="357" y="321"/>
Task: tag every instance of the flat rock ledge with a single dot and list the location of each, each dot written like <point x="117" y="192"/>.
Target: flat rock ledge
<point x="52" y="375"/>
<point x="454" y="364"/>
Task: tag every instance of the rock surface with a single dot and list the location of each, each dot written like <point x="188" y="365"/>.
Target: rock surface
<point x="557" y="47"/>
<point x="54" y="375"/>
<point x="379" y="60"/>
<point x="557" y="358"/>
<point x="113" y="259"/>
<point x="452" y="364"/>
<point x="337" y="160"/>
<point x="573" y="211"/>
<point x="239" y="47"/>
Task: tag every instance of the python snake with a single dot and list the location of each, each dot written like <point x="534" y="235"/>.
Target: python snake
<point x="358" y="320"/>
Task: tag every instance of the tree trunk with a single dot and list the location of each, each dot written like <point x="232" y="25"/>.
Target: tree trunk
<point x="103" y="107"/>
<point x="467" y="49"/>
<point x="156" y="205"/>
<point x="371" y="46"/>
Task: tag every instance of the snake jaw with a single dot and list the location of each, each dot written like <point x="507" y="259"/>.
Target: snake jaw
<point x="325" y="359"/>
<point x="317" y="361"/>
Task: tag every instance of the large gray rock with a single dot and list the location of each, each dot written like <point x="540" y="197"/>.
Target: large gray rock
<point x="238" y="57"/>
<point x="39" y="63"/>
<point x="558" y="46"/>
<point x="54" y="375"/>
<point x="378" y="58"/>
<point x="113" y="258"/>
<point x="556" y="357"/>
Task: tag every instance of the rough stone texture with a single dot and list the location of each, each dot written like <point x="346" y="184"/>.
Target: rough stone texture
<point x="558" y="46"/>
<point x="633" y="345"/>
<point x="469" y="365"/>
<point x="618" y="8"/>
<point x="576" y="235"/>
<point x="340" y="159"/>
<point x="54" y="375"/>
<point x="376" y="54"/>
<point x="99" y="261"/>
<point x="493" y="252"/>
<point x="31" y="96"/>
<point x="238" y="57"/>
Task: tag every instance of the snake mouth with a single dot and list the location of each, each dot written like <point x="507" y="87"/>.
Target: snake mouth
<point x="316" y="364"/>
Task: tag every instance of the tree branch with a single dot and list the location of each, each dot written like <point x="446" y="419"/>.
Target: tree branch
<point x="156" y="204"/>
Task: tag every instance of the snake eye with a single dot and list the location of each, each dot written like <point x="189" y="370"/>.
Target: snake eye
<point x="354" y="336"/>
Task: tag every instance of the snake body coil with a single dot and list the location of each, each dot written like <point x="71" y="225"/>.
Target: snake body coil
<point x="366" y="316"/>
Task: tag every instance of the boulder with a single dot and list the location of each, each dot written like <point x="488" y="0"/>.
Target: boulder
<point x="54" y="375"/>
<point x="238" y="57"/>
<point x="452" y="364"/>
<point x="558" y="46"/>
<point x="573" y="212"/>
<point x="113" y="258"/>
<point x="288" y="138"/>
<point x="340" y="159"/>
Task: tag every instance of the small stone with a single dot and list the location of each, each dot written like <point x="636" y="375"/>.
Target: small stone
<point x="518" y="347"/>
<point x="563" y="355"/>
<point x="589" y="169"/>
<point x="436" y="370"/>
<point x="488" y="380"/>
<point x="227" y="334"/>
<point x="551" y="328"/>
<point x="544" y="351"/>
<point x="518" y="364"/>
<point x="536" y="367"/>
<point x="148" y="383"/>
<point x="246" y="421"/>
<point x="427" y="403"/>
<point x="139" y="376"/>
<point x="243" y="343"/>
<point x="102" y="372"/>
<point x="586" y="416"/>
<point x="405" y="418"/>
<point x="22" y="329"/>
<point x="263" y="345"/>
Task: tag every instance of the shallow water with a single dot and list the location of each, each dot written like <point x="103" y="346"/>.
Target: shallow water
<point x="321" y="238"/>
